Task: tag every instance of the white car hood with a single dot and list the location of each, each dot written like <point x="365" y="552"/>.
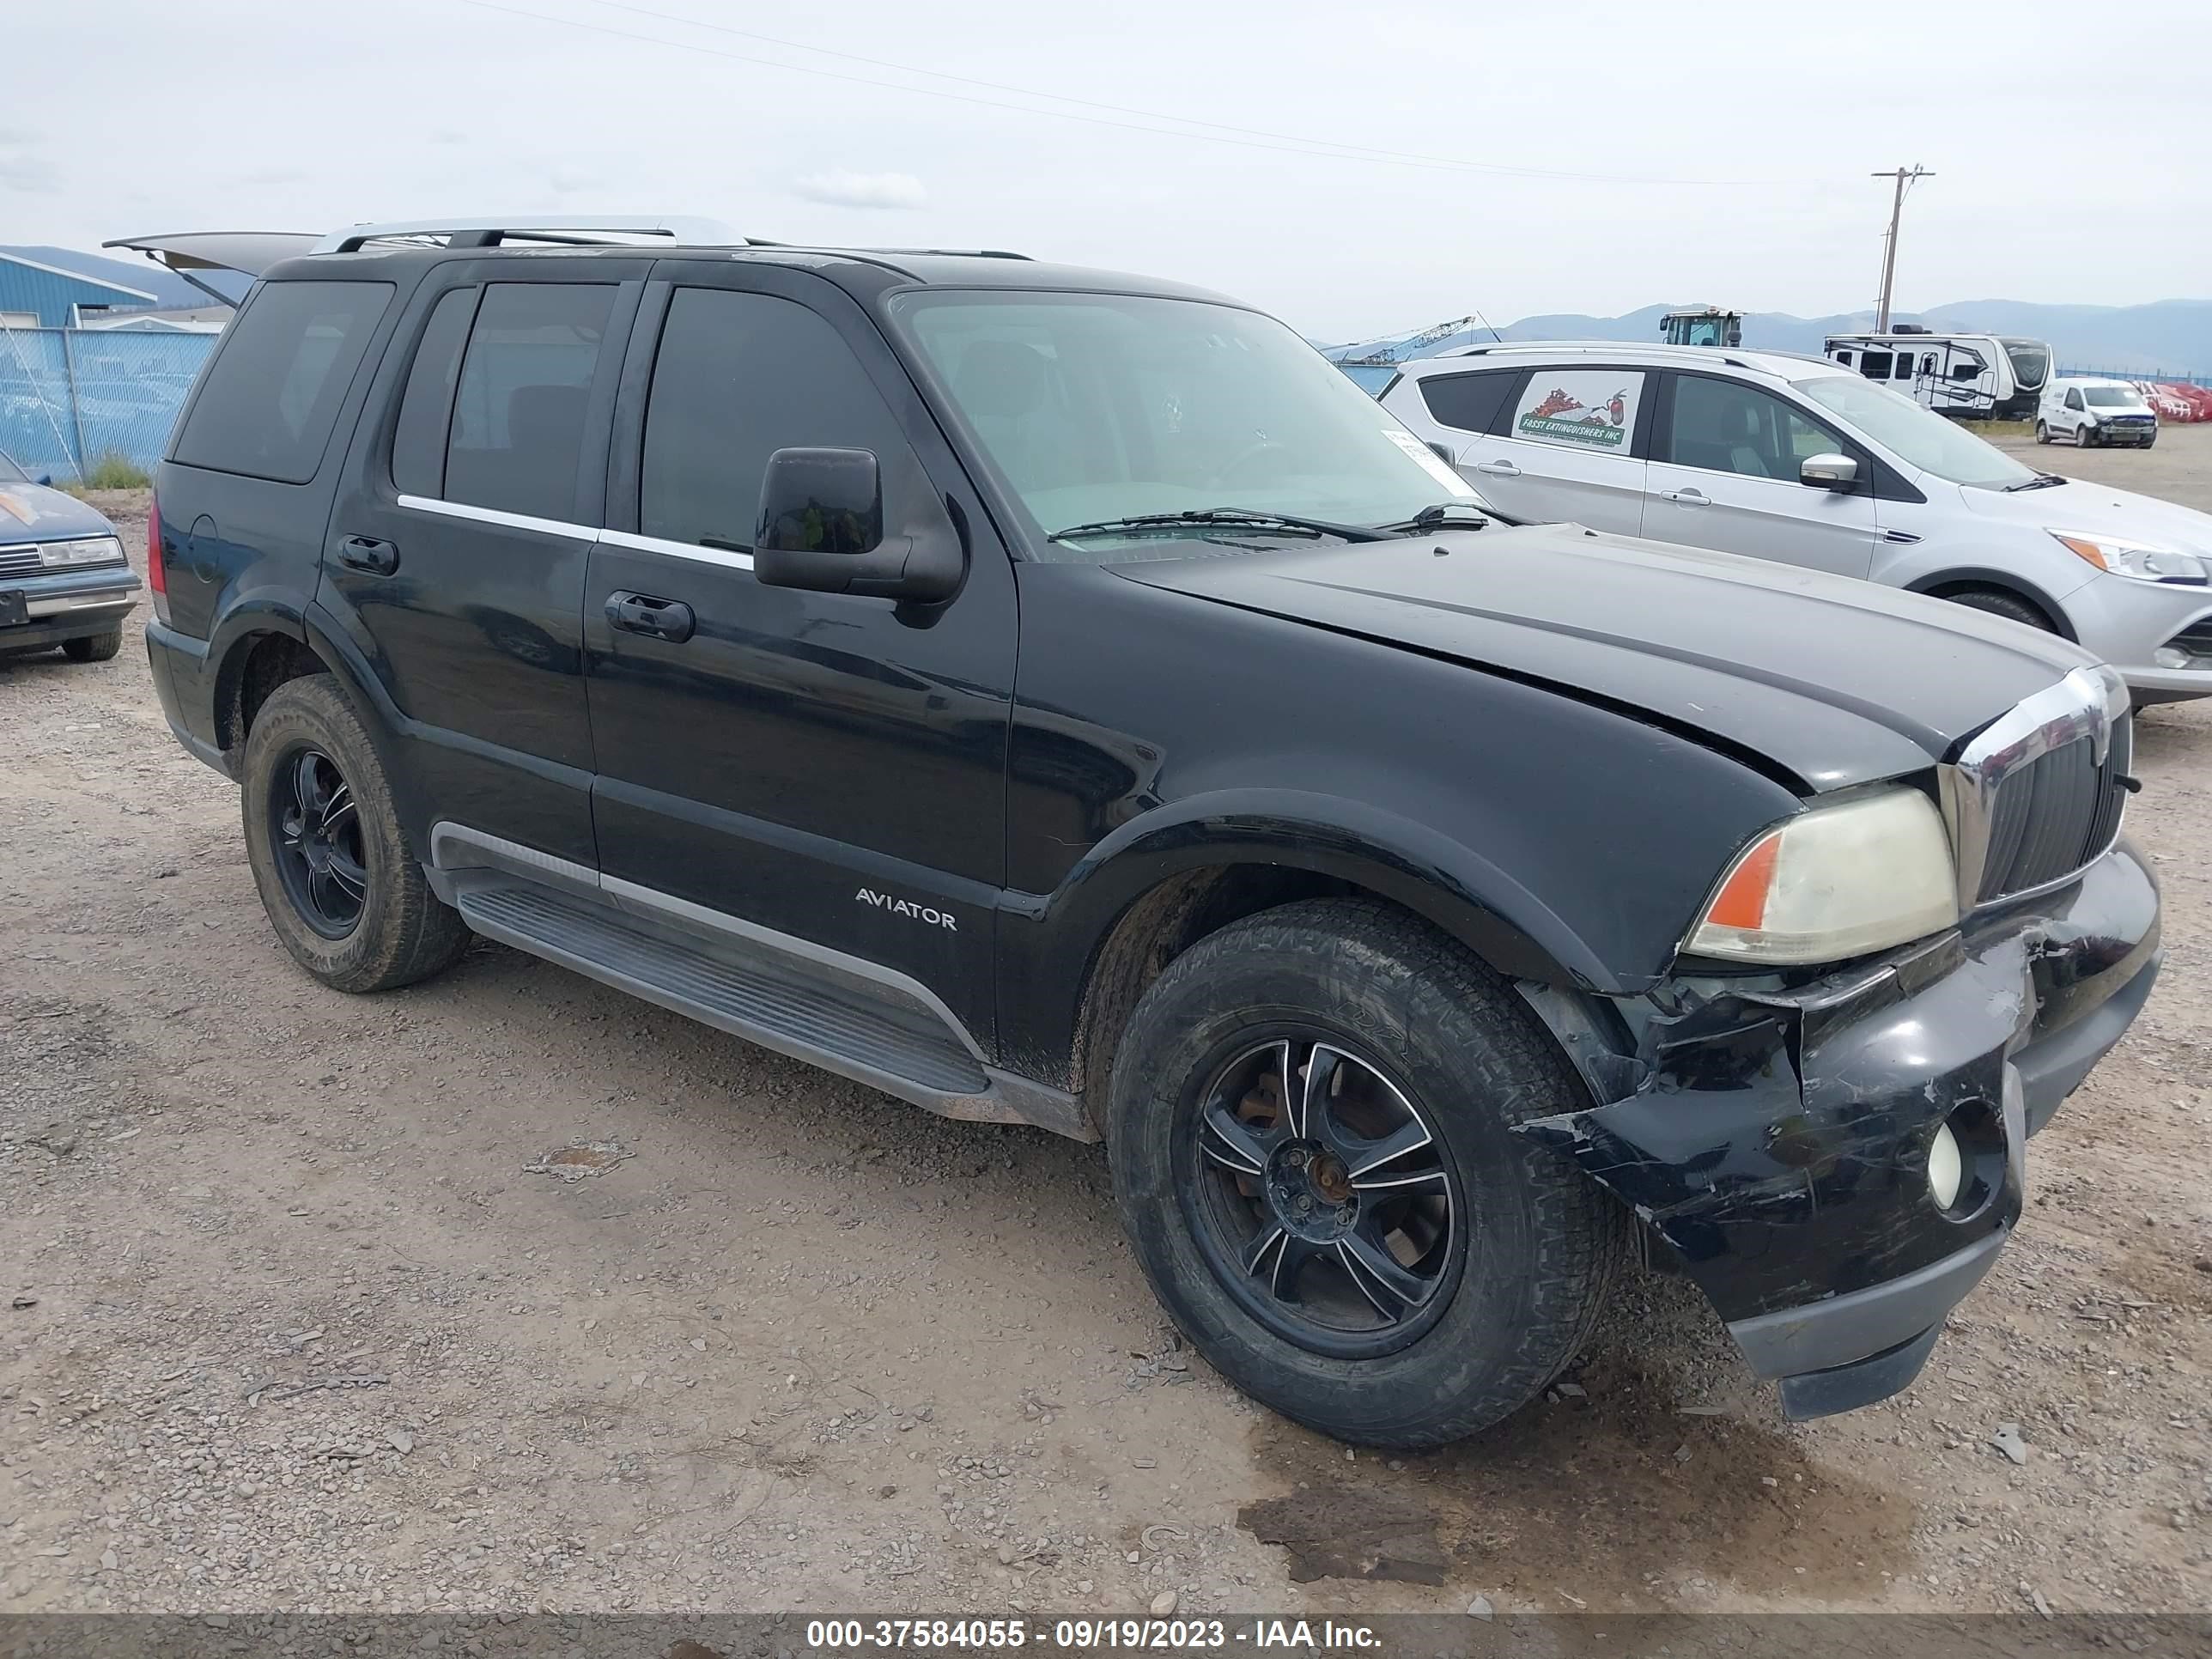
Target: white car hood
<point x="2098" y="509"/>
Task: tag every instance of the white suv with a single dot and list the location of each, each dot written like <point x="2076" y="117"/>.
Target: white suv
<point x="1795" y="460"/>
<point x="2086" y="411"/>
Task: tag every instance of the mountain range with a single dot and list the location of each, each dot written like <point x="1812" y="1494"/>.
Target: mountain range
<point x="2173" y="336"/>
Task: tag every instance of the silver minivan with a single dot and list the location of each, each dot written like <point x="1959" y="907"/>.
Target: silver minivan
<point x="1798" y="460"/>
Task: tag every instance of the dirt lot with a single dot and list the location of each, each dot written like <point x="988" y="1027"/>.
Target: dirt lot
<point x="294" y="1326"/>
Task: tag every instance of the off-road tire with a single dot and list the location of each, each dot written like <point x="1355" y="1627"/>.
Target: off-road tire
<point x="2000" y="604"/>
<point x="404" y="933"/>
<point x="94" y="647"/>
<point x="1542" y="1243"/>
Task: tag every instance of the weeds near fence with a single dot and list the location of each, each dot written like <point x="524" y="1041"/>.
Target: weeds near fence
<point x="114" y="471"/>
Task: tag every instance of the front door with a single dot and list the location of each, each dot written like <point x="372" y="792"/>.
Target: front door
<point x="1724" y="475"/>
<point x="456" y="553"/>
<point x="826" y="766"/>
<point x="1571" y="447"/>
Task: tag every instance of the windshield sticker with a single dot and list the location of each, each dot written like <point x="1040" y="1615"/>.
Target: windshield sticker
<point x="1431" y="461"/>
<point x="1588" y="408"/>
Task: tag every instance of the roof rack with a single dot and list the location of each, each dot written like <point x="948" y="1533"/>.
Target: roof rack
<point x="490" y="230"/>
<point x="1727" y="354"/>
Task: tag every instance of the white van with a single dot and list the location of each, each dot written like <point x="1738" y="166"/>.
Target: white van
<point x="1982" y="377"/>
<point x="1803" y="461"/>
<point x="2087" y="412"/>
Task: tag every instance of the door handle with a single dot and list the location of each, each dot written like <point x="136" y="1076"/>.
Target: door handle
<point x="642" y="613"/>
<point x="1499" y="469"/>
<point x="367" y="553"/>
<point x="1687" y="497"/>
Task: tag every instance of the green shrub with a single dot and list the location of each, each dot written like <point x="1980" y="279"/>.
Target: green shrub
<point x="115" y="472"/>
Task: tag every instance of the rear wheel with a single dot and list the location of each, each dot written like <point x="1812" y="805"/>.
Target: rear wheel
<point x="347" y="898"/>
<point x="94" y="647"/>
<point x="1312" y="1121"/>
<point x="1999" y="603"/>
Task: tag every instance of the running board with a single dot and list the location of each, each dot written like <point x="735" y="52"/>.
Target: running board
<point x="873" y="1035"/>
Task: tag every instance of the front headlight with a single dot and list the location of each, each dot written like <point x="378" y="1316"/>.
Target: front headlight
<point x="2150" y="564"/>
<point x="94" y="549"/>
<point x="1834" y="882"/>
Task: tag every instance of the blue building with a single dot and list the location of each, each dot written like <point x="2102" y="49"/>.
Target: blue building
<point x="54" y="287"/>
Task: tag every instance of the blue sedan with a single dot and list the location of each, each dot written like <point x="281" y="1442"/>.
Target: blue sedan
<point x="64" y="579"/>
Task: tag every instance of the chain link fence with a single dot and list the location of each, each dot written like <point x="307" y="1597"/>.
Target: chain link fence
<point x="71" y="398"/>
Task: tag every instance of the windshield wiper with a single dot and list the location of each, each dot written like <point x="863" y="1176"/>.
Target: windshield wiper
<point x="2040" y="481"/>
<point x="1440" y="518"/>
<point x="1139" y="523"/>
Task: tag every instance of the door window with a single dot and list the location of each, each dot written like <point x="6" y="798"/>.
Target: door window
<point x="426" y="408"/>
<point x="517" y="441"/>
<point x="1469" y="403"/>
<point x="1904" y="365"/>
<point x="1724" y="426"/>
<point x="738" y="377"/>
<point x="1874" y="365"/>
<point x="2073" y="397"/>
<point x="1579" y="408"/>
<point x="1844" y="358"/>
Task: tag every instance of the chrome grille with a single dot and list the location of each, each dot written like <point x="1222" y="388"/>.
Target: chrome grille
<point x="2039" y="795"/>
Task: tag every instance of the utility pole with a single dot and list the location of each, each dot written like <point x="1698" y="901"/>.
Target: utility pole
<point x="1906" y="178"/>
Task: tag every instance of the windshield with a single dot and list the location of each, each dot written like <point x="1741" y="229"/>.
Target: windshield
<point x="1914" y="434"/>
<point x="11" y="473"/>
<point x="2030" y="361"/>
<point x="2111" y="397"/>
<point x="1100" y="407"/>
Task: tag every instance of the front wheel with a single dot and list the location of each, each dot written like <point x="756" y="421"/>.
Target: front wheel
<point x="2085" y="436"/>
<point x="2042" y="433"/>
<point x="347" y="898"/>
<point x="1311" y="1121"/>
<point x="94" y="647"/>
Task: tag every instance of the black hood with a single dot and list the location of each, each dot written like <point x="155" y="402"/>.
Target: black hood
<point x="1833" y="681"/>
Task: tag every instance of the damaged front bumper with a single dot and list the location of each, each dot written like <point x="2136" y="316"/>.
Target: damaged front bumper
<point x="1774" y="1139"/>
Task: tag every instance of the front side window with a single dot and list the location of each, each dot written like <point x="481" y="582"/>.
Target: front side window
<point x="2074" y="397"/>
<point x="272" y="397"/>
<point x="1724" y="426"/>
<point x="1098" y="407"/>
<point x="1916" y="435"/>
<point x="517" y="441"/>
<point x="738" y="377"/>
<point x="1579" y="409"/>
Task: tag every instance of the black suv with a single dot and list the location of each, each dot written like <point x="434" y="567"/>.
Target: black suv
<point x="1063" y="698"/>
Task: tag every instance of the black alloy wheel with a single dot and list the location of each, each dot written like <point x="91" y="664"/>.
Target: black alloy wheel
<point x="1322" y="1197"/>
<point x="314" y="830"/>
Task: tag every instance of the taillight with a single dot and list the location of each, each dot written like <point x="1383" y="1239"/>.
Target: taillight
<point x="157" y="577"/>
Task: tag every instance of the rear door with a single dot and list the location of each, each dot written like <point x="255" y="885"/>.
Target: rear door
<point x="1724" y="475"/>
<point x="1568" y="443"/>
<point x="455" y="559"/>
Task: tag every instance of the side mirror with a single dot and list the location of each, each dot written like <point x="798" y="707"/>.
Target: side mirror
<point x="1444" y="452"/>
<point x="822" y="529"/>
<point x="44" y="478"/>
<point x="1838" y="472"/>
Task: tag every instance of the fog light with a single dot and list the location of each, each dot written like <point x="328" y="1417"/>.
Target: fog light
<point x="1945" y="1168"/>
<point x="2170" y="656"/>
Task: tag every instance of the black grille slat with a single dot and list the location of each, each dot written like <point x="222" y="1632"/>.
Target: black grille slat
<point x="2055" y="814"/>
<point x="20" y="561"/>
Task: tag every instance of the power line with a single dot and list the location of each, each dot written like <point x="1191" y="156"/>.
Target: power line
<point x="1905" y="181"/>
<point x="1322" y="148"/>
<point x="1351" y="151"/>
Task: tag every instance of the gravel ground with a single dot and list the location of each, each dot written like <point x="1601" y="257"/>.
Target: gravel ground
<point x="294" y="1323"/>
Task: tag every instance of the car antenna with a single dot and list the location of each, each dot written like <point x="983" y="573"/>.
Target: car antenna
<point x="1484" y="321"/>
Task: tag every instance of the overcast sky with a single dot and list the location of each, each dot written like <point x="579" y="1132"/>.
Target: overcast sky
<point x="1359" y="168"/>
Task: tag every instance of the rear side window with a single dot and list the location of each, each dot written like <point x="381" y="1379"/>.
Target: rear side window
<point x="739" y="376"/>
<point x="517" y="427"/>
<point x="1468" y="403"/>
<point x="272" y="395"/>
<point x="426" y="409"/>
